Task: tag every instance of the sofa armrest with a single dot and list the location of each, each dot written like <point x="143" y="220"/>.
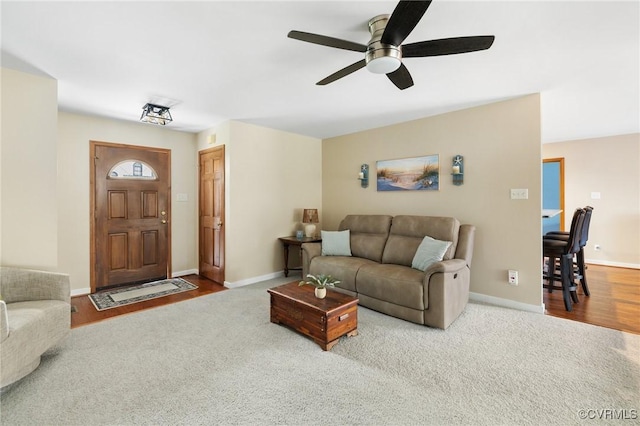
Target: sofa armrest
<point x="451" y="265"/>
<point x="309" y="251"/>
<point x="4" y="321"/>
<point x="19" y="285"/>
<point x="446" y="285"/>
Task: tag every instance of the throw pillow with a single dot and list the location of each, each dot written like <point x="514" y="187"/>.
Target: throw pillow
<point x="429" y="251"/>
<point x="336" y="243"/>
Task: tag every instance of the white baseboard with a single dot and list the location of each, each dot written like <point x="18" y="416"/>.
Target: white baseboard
<point x="506" y="303"/>
<point x="80" y="292"/>
<point x="609" y="263"/>
<point x="253" y="280"/>
<point x="182" y="273"/>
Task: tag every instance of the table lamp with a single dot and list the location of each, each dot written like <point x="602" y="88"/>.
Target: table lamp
<point x="310" y="217"/>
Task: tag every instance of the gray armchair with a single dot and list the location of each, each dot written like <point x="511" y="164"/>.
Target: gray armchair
<point x="35" y="314"/>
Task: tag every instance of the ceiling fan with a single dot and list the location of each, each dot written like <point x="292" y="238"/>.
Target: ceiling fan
<point x="384" y="52"/>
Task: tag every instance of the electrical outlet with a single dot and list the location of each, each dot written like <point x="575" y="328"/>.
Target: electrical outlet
<point x="513" y="277"/>
<point x="520" y="194"/>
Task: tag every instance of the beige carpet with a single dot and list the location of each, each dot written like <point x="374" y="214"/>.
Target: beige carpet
<point x="218" y="360"/>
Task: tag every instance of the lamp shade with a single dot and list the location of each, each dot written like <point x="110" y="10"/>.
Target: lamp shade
<point x="310" y="216"/>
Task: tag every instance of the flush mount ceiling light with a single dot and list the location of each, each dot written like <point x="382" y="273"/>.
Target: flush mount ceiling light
<point x="155" y="114"/>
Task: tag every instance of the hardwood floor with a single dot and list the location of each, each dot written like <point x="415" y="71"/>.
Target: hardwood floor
<point x="614" y="301"/>
<point x="85" y="313"/>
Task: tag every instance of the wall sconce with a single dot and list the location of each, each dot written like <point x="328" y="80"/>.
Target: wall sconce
<point x="458" y="170"/>
<point x="155" y="114"/>
<point x="364" y="175"/>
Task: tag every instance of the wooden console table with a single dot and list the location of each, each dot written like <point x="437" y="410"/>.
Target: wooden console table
<point x="293" y="241"/>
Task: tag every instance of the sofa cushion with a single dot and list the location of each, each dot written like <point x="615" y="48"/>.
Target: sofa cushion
<point x="429" y="251"/>
<point x="395" y="284"/>
<point x="407" y="232"/>
<point x="368" y="234"/>
<point x="335" y="243"/>
<point x="343" y="268"/>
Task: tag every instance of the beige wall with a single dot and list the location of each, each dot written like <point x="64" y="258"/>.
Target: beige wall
<point x="270" y="176"/>
<point x="29" y="234"/>
<point x="610" y="166"/>
<point x="502" y="150"/>
<point x="74" y="133"/>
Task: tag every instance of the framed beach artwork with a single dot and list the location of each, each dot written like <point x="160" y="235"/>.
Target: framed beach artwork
<point x="409" y="174"/>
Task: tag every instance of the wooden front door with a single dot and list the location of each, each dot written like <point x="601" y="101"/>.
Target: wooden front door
<point x="131" y="212"/>
<point x="211" y="216"/>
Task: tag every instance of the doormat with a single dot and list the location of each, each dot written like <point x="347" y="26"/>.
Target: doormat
<point x="125" y="296"/>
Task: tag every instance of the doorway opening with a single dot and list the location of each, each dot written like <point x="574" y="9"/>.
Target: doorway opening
<point x="553" y="193"/>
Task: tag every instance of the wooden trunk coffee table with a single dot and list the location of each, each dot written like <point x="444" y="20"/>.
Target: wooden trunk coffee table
<point x="324" y="320"/>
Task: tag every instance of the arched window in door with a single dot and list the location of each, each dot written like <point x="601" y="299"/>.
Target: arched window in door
<point x="132" y="169"/>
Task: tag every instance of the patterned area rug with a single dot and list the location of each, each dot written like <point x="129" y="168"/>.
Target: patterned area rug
<point x="125" y="296"/>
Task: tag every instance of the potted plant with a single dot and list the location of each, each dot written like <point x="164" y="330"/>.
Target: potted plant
<point x="321" y="282"/>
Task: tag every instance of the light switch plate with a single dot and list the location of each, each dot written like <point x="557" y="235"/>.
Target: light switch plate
<point x="520" y="194"/>
<point x="182" y="197"/>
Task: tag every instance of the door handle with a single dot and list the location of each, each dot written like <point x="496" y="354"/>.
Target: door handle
<point x="163" y="221"/>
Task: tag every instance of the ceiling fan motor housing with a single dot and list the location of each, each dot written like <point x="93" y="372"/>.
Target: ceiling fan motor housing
<point x="381" y="58"/>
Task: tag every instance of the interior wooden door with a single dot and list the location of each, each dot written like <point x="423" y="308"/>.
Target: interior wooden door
<point x="132" y="211"/>
<point x="211" y="217"/>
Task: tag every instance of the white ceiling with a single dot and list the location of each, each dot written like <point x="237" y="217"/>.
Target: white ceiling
<point x="213" y="61"/>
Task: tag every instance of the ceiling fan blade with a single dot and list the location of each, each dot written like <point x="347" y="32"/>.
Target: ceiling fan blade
<point x="403" y="20"/>
<point x="446" y="46"/>
<point x="342" y="73"/>
<point x="401" y="78"/>
<point x="327" y="41"/>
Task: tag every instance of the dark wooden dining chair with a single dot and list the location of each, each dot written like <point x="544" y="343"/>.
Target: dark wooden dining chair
<point x="579" y="265"/>
<point x="564" y="251"/>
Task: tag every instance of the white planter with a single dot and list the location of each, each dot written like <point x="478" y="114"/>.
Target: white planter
<point x="321" y="293"/>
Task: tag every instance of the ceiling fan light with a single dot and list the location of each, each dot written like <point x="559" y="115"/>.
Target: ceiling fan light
<point x="382" y="58"/>
<point x="383" y="65"/>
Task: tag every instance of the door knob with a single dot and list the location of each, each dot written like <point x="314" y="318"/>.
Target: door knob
<point x="163" y="221"/>
<point x="163" y="213"/>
